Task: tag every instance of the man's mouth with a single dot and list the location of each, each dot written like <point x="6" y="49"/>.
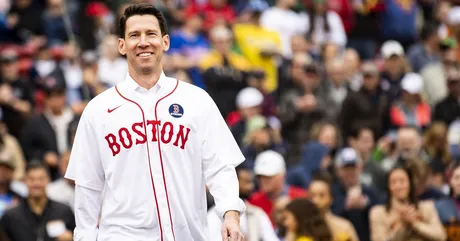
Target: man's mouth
<point x="144" y="54"/>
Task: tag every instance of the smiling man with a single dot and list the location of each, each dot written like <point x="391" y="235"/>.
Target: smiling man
<point x="152" y="143"/>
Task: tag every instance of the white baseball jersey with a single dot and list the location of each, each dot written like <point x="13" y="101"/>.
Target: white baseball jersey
<point x="153" y="151"/>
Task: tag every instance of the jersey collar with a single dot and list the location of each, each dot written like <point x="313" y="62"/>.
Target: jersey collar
<point x="131" y="84"/>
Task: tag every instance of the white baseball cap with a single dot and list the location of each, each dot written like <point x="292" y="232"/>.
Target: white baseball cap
<point x="412" y="83"/>
<point x="249" y="97"/>
<point x="269" y="163"/>
<point x="347" y="157"/>
<point x="390" y="48"/>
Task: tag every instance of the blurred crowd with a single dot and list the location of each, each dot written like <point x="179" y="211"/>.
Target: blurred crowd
<point x="347" y="111"/>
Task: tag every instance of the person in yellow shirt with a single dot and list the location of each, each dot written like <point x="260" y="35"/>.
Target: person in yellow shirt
<point x="259" y="45"/>
<point x="321" y="194"/>
<point x="222" y="53"/>
<point x="303" y="222"/>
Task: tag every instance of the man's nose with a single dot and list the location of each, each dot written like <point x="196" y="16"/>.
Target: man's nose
<point x="143" y="41"/>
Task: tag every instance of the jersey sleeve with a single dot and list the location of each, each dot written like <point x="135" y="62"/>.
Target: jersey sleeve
<point x="85" y="165"/>
<point x="220" y="156"/>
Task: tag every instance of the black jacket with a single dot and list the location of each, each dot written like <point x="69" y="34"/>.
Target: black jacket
<point x="21" y="224"/>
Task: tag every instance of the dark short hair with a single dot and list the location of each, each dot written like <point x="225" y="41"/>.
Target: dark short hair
<point x="34" y="165"/>
<point x="141" y="9"/>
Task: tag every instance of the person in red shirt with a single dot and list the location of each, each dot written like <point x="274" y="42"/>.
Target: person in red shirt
<point x="215" y="12"/>
<point x="270" y="169"/>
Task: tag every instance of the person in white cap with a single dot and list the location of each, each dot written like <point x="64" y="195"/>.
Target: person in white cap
<point x="270" y="170"/>
<point x="249" y="103"/>
<point x="411" y="109"/>
<point x="395" y="66"/>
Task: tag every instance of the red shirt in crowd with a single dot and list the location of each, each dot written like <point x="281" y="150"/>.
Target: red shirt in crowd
<point x="261" y="199"/>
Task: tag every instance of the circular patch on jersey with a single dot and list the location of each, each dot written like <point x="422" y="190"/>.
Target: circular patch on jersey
<point x="176" y="110"/>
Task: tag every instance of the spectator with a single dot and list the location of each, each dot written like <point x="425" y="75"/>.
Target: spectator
<point x="8" y="198"/>
<point x="447" y="208"/>
<point x="255" y="224"/>
<point x="112" y="67"/>
<point x="300" y="106"/>
<point x="314" y="158"/>
<point x="437" y="147"/>
<point x="320" y="191"/>
<point x="421" y="173"/>
<point x="31" y="219"/>
<point x="352" y="68"/>
<point x="258" y="44"/>
<point x="362" y="140"/>
<point x="399" y="21"/>
<point x="325" y="26"/>
<point x="54" y="24"/>
<point x="16" y="93"/>
<point x="303" y="222"/>
<point x="24" y="23"/>
<point x="62" y="190"/>
<point x="217" y="12"/>
<point x="222" y="70"/>
<point x="189" y="46"/>
<point x="293" y="23"/>
<point x="366" y="27"/>
<point x="367" y="107"/>
<point x="45" y="136"/>
<point x="427" y="51"/>
<point x="10" y="145"/>
<point x="336" y="89"/>
<point x="448" y="109"/>
<point x="436" y="74"/>
<point x="353" y="200"/>
<point x="249" y="103"/>
<point x="270" y="170"/>
<point x="404" y="217"/>
<point x="411" y="109"/>
<point x="394" y="69"/>
<point x="408" y="146"/>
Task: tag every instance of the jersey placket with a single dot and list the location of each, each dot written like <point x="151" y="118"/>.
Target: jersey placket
<point x="149" y="100"/>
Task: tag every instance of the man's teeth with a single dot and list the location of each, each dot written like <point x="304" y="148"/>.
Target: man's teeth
<point x="145" y="54"/>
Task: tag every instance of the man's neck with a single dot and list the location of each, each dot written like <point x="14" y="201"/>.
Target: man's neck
<point x="188" y="31"/>
<point x="146" y="81"/>
<point x="37" y="205"/>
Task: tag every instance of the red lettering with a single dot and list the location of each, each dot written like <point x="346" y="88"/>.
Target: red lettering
<point x="154" y="124"/>
<point x="163" y="132"/>
<point x="128" y="137"/>
<point x="113" y="145"/>
<point x="181" y="136"/>
<point x="136" y="130"/>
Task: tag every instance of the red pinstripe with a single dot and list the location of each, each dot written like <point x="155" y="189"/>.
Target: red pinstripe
<point x="148" y="155"/>
<point x="161" y="158"/>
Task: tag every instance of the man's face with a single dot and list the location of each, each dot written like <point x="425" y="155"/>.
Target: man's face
<point x="349" y="175"/>
<point x="36" y="181"/>
<point x="365" y="142"/>
<point x="271" y="184"/>
<point x="143" y="43"/>
<point x="10" y="70"/>
<point x="245" y="179"/>
<point x="56" y="102"/>
<point x="320" y="194"/>
<point x="408" y="143"/>
<point x="6" y="175"/>
<point x="370" y="81"/>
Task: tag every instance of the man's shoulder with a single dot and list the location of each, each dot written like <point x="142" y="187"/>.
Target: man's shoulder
<point x="98" y="103"/>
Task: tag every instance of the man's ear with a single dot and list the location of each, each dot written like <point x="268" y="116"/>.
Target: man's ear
<point x="121" y="46"/>
<point x="166" y="42"/>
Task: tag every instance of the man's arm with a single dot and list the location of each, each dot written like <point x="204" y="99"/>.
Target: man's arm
<point x="85" y="168"/>
<point x="220" y="155"/>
